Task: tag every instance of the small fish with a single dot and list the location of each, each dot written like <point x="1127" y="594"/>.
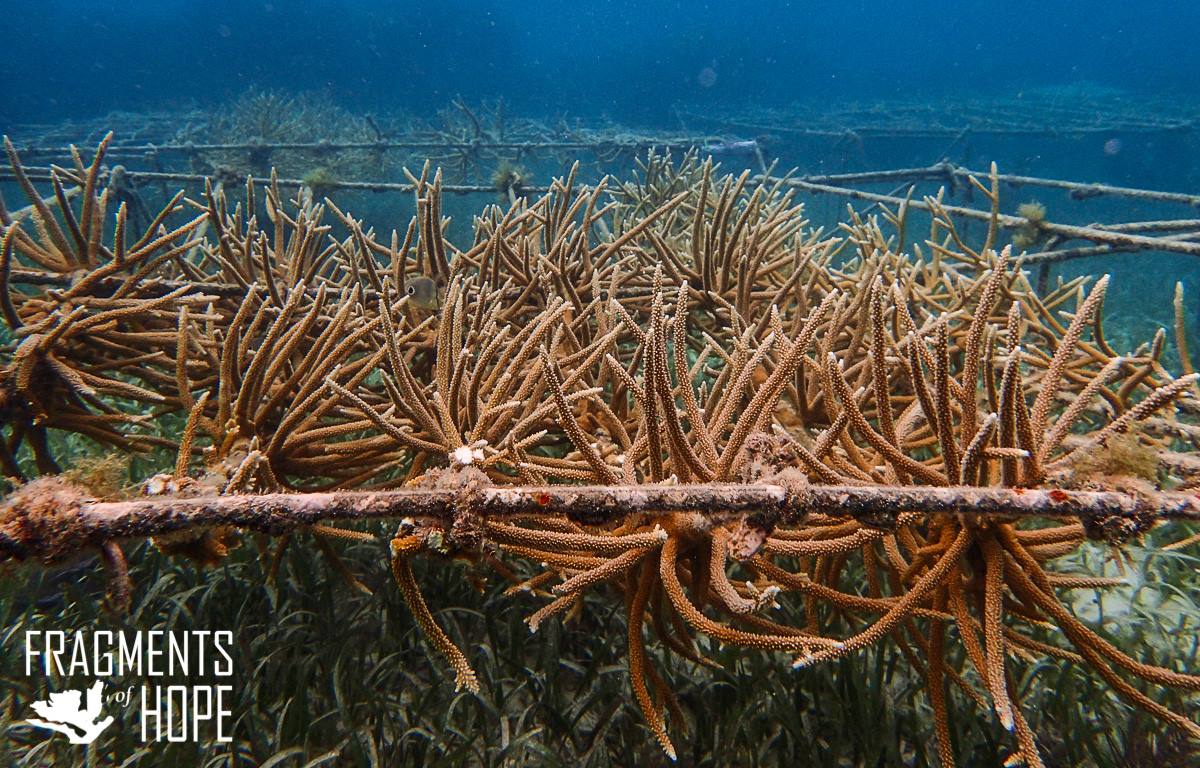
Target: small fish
<point x="423" y="293"/>
<point x="748" y="147"/>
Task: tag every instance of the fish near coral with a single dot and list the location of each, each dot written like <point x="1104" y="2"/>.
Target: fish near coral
<point x="424" y="293"/>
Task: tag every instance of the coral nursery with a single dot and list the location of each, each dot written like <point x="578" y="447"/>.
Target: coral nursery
<point x="664" y="407"/>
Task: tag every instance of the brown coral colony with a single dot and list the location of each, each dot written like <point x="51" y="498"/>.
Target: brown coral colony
<point x="689" y="331"/>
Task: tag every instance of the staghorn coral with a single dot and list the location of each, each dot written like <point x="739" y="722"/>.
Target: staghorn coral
<point x="79" y="349"/>
<point x="509" y="179"/>
<point x="686" y="329"/>
<point x="1029" y="236"/>
<point x="259" y="119"/>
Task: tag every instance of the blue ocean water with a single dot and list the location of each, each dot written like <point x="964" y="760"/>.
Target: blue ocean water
<point x="629" y="58"/>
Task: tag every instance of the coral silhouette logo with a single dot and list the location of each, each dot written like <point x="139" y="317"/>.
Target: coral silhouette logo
<point x="62" y="713"/>
<point x="180" y="697"/>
